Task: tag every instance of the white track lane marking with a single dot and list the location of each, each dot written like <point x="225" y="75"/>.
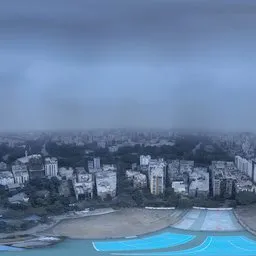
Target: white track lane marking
<point x="94" y="246"/>
<point x="208" y="242"/>
<point x="240" y="248"/>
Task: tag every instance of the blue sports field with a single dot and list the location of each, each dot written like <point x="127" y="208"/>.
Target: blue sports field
<point x="235" y="245"/>
<point x="213" y="245"/>
<point x="202" y="233"/>
<point x="164" y="240"/>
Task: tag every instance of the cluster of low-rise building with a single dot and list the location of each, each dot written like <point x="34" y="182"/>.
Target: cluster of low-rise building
<point x="139" y="180"/>
<point x="98" y="180"/>
<point x="199" y="182"/>
<point x="187" y="179"/>
<point x="229" y="178"/>
<point x="226" y="177"/>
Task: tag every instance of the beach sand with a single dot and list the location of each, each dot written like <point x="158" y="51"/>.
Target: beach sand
<point x="122" y="223"/>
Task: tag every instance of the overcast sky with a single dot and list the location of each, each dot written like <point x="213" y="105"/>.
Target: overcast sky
<point x="128" y="63"/>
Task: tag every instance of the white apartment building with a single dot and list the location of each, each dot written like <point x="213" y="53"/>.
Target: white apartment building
<point x="106" y="184"/>
<point x="20" y="173"/>
<point x="83" y="186"/>
<point x="66" y="173"/>
<point x="199" y="186"/>
<point x="51" y="167"/>
<point x="21" y="177"/>
<point x="90" y="165"/>
<point x="144" y="160"/>
<point x="96" y="163"/>
<point x="139" y="180"/>
<point x="173" y="170"/>
<point x="179" y="187"/>
<point x="6" y="178"/>
<point x="157" y="180"/>
<point x="248" y="167"/>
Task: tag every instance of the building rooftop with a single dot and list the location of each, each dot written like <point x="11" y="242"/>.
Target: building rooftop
<point x="179" y="187"/>
<point x="51" y="160"/>
<point x="85" y="177"/>
<point x="19" y="167"/>
<point x="109" y="167"/>
<point x="187" y="162"/>
<point x="26" y="159"/>
<point x="106" y="181"/>
<point x="20" y="197"/>
<point x="200" y="180"/>
<point x="135" y="175"/>
<point x="80" y="170"/>
<point x="6" y="174"/>
<point x="13" y="186"/>
<point x="19" y="173"/>
<point x="157" y="171"/>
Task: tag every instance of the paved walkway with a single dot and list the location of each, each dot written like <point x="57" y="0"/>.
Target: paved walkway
<point x="209" y="220"/>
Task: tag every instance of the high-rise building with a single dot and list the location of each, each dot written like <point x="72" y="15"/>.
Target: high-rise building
<point x="51" y="167"/>
<point x="248" y="167"/>
<point x="96" y="163"/>
<point x="157" y="180"/>
<point x="222" y="181"/>
<point x="90" y="165"/>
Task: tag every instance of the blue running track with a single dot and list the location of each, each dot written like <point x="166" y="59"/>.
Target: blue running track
<point x="164" y="240"/>
<point x="214" y="246"/>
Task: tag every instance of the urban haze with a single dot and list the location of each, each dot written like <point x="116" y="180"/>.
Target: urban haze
<point x="137" y="63"/>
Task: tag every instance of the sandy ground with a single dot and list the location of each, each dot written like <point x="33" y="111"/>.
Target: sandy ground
<point x="54" y="221"/>
<point x="122" y="223"/>
<point x="247" y="216"/>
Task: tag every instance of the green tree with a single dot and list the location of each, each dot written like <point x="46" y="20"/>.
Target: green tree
<point x="185" y="203"/>
<point x="245" y="197"/>
<point x="138" y="197"/>
<point x="56" y="208"/>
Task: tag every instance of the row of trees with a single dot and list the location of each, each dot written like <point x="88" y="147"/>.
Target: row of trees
<point x="5" y="227"/>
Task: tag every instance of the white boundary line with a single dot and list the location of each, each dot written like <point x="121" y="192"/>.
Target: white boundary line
<point x="207" y="242"/>
<point x="94" y="246"/>
<point x="143" y="242"/>
<point x="240" y="248"/>
<point x="248" y="240"/>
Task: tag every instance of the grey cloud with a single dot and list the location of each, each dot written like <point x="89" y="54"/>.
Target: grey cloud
<point x="130" y="63"/>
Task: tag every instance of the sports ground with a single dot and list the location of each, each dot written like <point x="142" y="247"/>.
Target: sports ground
<point x="199" y="232"/>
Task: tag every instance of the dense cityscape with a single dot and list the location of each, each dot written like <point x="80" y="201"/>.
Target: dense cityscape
<point x="127" y="128"/>
<point x="110" y="168"/>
